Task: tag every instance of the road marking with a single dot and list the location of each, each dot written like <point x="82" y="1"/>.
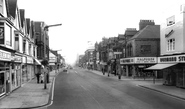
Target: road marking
<point x="83" y="87"/>
<point x="91" y="96"/>
<point x="75" y="71"/>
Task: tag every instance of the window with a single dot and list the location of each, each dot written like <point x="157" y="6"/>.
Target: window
<point x="145" y="49"/>
<point x="1" y="32"/>
<point x="24" y="46"/>
<point x="171" y="44"/>
<point x="1" y="6"/>
<point x="170" y="20"/>
<point x="129" y="50"/>
<point x="17" y="42"/>
<point x="30" y="49"/>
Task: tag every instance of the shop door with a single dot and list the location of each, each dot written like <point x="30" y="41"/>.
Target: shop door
<point x="7" y="81"/>
<point x="2" y="83"/>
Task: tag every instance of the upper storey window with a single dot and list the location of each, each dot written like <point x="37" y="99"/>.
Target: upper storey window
<point x="170" y="20"/>
<point x="1" y="6"/>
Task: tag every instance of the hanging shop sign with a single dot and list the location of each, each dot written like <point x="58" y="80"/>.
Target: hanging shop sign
<point x="17" y="58"/>
<point x="127" y="61"/>
<point x="5" y="56"/>
<point x="52" y="59"/>
<point x="145" y="60"/>
<point x="172" y="59"/>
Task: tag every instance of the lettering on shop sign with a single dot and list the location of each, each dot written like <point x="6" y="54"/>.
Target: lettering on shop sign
<point x="124" y="61"/>
<point x="5" y="56"/>
<point x="181" y="58"/>
<point x="172" y="59"/>
<point x="146" y="60"/>
<point x="29" y="60"/>
<point x="17" y="59"/>
<point x="168" y="34"/>
<point x="168" y="59"/>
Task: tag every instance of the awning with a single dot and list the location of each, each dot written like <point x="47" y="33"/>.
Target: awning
<point x="160" y="66"/>
<point x="38" y="62"/>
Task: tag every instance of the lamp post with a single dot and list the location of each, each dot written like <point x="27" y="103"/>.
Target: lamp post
<point x="46" y="72"/>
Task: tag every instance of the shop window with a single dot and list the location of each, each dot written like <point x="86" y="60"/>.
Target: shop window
<point x="2" y="83"/>
<point x="171" y="44"/>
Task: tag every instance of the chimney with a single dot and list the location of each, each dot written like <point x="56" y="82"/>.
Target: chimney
<point x="144" y="23"/>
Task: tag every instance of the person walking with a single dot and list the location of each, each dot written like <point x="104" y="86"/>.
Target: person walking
<point x="38" y="75"/>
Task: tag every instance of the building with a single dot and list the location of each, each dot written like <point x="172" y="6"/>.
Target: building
<point x="172" y="59"/>
<point x="17" y="47"/>
<point x="142" y="49"/>
<point x="42" y="40"/>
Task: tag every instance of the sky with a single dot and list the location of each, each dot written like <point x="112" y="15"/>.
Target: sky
<point x="90" y="20"/>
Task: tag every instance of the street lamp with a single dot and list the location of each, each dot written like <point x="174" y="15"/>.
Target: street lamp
<point x="47" y="73"/>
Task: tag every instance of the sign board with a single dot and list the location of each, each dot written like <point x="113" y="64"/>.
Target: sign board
<point x="52" y="59"/>
<point x="5" y="56"/>
<point x="138" y="60"/>
<point x="127" y="61"/>
<point x="29" y="60"/>
<point x="145" y="60"/>
<point x="17" y="58"/>
<point x="172" y="59"/>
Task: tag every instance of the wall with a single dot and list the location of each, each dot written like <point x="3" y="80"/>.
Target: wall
<point x="154" y="51"/>
<point x="178" y="33"/>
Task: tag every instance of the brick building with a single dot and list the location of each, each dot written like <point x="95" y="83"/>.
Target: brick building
<point x="142" y="49"/>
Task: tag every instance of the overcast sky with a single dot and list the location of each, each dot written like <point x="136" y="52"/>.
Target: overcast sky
<point x="90" y="20"/>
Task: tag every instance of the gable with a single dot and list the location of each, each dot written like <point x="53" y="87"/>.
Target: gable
<point x="150" y="31"/>
<point x="12" y="5"/>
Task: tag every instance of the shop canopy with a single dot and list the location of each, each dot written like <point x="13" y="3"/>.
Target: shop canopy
<point x="38" y="62"/>
<point x="160" y="66"/>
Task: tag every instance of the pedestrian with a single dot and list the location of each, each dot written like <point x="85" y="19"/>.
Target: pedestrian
<point x="38" y="75"/>
<point x="42" y="78"/>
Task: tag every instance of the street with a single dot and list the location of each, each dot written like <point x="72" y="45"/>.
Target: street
<point x="82" y="89"/>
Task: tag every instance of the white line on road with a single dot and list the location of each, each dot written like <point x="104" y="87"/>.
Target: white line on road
<point x="91" y="96"/>
<point x="75" y="71"/>
<point x="83" y="87"/>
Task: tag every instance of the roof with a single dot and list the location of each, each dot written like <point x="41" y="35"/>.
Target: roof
<point x="149" y="32"/>
<point x="12" y="5"/>
<point x="28" y="25"/>
<point x="22" y="12"/>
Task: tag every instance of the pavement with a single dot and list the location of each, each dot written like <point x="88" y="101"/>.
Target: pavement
<point x="149" y="84"/>
<point x="30" y="95"/>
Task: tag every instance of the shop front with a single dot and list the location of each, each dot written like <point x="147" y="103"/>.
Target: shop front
<point x="16" y="72"/>
<point x="30" y="68"/>
<point x="24" y="74"/>
<point x="135" y="66"/>
<point x="173" y="69"/>
<point x="5" y="63"/>
<point x="126" y="66"/>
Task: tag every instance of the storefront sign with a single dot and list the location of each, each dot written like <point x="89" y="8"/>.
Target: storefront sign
<point x="29" y="60"/>
<point x="5" y="56"/>
<point x="145" y="60"/>
<point x="127" y="61"/>
<point x="116" y="53"/>
<point x="172" y="59"/>
<point x="52" y="59"/>
<point x="17" y="58"/>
